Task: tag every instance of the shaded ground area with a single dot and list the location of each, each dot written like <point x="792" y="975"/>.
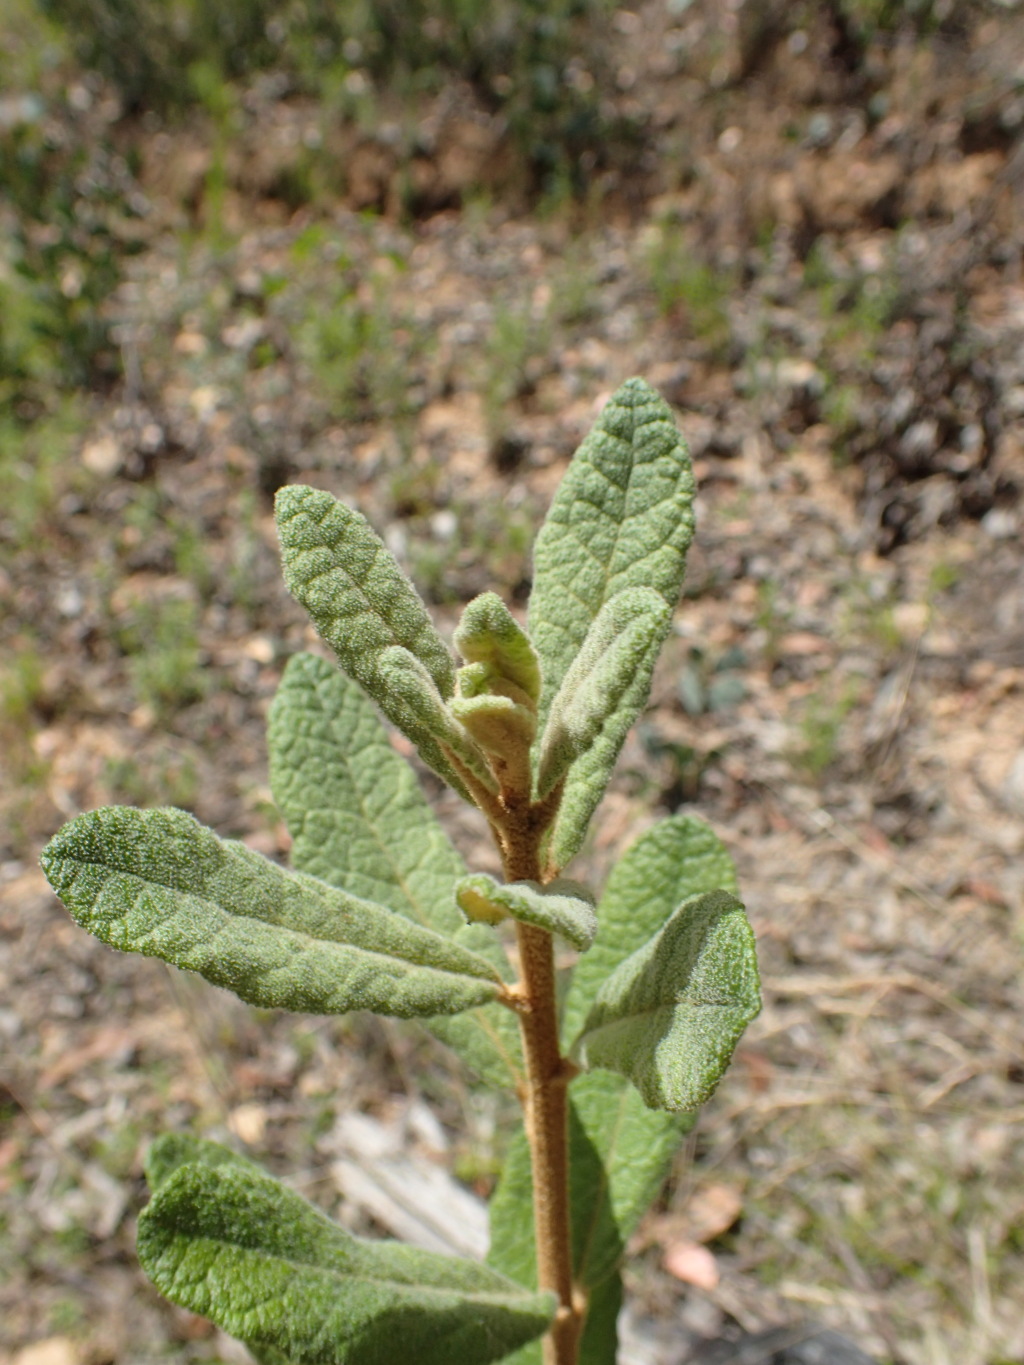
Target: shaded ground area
<point x="815" y="256"/>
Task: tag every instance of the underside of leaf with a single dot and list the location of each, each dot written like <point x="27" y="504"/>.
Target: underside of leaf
<point x="675" y="859"/>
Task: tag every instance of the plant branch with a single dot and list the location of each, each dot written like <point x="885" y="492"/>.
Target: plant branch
<point x="546" y="1105"/>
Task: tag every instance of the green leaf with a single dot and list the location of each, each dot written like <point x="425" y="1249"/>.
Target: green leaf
<point x="359" y="820"/>
<point x="167" y="1154"/>
<point x="622" y="518"/>
<point x="157" y="882"/>
<point x="599" y="1344"/>
<point x="619" y="1154"/>
<point x="531" y="1354"/>
<point x="489" y="634"/>
<point x="363" y="605"/>
<point x="620" y="1150"/>
<point x="678" y="858"/>
<point x="233" y="1244"/>
<point x="603" y="692"/>
<point x="353" y="806"/>
<point x="670" y="1015"/>
<point x="170" y="1151"/>
<point x="266" y="1355"/>
<point x="558" y="907"/>
<point x="499" y="725"/>
<point x="487" y="1040"/>
<point x="417" y="707"/>
<point x="610" y="673"/>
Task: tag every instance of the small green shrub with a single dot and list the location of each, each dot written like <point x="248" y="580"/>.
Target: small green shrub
<point x="541" y="64"/>
<point x="382" y="914"/>
<point x="68" y="202"/>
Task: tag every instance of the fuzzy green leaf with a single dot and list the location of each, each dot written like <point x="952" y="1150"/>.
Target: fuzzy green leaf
<point x="353" y="806"/>
<point x="417" y="708"/>
<point x="359" y="820"/>
<point x="670" y="1015"/>
<point x="498" y="724"/>
<point x="619" y="1154"/>
<point x="599" y="1344"/>
<point x="487" y="1039"/>
<point x="622" y="518"/>
<point x="489" y="634"/>
<point x="362" y="604"/>
<point x="233" y="1244"/>
<point x="558" y="907"/>
<point x="622" y="1152"/>
<point x="677" y="858"/>
<point x="346" y="578"/>
<point x="170" y="1151"/>
<point x="266" y="1355"/>
<point x="605" y="685"/>
<point x="157" y="882"/>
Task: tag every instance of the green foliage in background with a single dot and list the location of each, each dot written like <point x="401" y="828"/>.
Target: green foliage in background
<point x="381" y="914"/>
<point x="540" y="64"/>
<point x="65" y="201"/>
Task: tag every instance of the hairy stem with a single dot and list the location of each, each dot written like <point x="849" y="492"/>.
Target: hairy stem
<point x="546" y="1127"/>
<point x="546" y="1106"/>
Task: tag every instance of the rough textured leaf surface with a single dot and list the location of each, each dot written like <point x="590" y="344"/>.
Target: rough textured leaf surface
<point x="362" y="604"/>
<point x="622" y="518"/>
<point x="548" y="907"/>
<point x="670" y="1015"/>
<point x="171" y="1150"/>
<point x="359" y="820"/>
<point x="157" y="882"/>
<point x="677" y="858"/>
<point x="415" y="705"/>
<point x="619" y="1154"/>
<point x="603" y="692"/>
<point x="487" y="1038"/>
<point x="353" y="806"/>
<point x="620" y="650"/>
<point x="236" y="1246"/>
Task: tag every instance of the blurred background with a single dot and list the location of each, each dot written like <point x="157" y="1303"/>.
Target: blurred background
<point x="403" y="252"/>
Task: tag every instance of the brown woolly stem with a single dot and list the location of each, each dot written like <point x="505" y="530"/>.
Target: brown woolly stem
<point x="545" y="1101"/>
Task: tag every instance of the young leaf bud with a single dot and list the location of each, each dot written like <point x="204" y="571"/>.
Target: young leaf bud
<point x="489" y="634"/>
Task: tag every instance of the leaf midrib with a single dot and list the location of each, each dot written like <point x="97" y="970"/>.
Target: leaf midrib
<point x="186" y="1242"/>
<point x="232" y="917"/>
